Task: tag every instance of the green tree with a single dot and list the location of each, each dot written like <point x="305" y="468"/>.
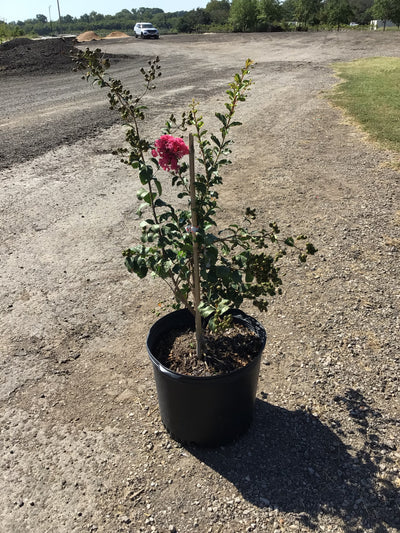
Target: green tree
<point x="288" y="10"/>
<point x="145" y="13"/>
<point x="192" y="21"/>
<point x="94" y="16"/>
<point x="338" y="12"/>
<point x="385" y="10"/>
<point x="269" y="11"/>
<point x="381" y="10"/>
<point x="243" y="15"/>
<point x="361" y="10"/>
<point x="395" y="14"/>
<point x="218" y="11"/>
<point x="41" y="18"/>
<point x="4" y="31"/>
<point x="124" y="14"/>
<point x="308" y="11"/>
<point x="67" y="19"/>
<point x="160" y="21"/>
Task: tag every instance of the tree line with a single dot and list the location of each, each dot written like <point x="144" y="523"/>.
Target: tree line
<point x="218" y="16"/>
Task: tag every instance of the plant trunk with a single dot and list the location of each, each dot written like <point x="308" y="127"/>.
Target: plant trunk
<point x="196" y="267"/>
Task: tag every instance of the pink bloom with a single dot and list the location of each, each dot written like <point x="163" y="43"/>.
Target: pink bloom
<point x="169" y="150"/>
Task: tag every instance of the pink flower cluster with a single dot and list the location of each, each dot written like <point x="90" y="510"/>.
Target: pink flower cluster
<point x="169" y="150"/>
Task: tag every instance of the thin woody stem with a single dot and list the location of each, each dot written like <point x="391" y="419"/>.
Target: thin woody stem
<point x="174" y="286"/>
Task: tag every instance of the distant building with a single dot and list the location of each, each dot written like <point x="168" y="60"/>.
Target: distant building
<point x="376" y="24"/>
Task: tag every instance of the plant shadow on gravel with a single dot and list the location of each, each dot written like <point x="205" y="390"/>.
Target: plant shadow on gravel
<point x="292" y="462"/>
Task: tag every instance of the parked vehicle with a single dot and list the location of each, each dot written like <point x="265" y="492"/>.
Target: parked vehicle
<point x="145" y="30"/>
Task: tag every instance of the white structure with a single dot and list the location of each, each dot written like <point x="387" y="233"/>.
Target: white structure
<point x="376" y="24"/>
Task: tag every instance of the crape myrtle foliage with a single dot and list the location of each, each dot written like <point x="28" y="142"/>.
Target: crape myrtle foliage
<point x="236" y="262"/>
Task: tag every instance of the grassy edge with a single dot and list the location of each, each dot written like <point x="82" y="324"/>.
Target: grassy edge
<point x="374" y="114"/>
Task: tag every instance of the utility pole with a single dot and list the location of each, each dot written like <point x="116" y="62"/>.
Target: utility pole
<point x="59" y="17"/>
<point x="51" y="26"/>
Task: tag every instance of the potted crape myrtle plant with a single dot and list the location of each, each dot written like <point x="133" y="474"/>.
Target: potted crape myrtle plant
<point x="205" y="352"/>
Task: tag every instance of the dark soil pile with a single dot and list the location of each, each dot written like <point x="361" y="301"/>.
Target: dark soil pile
<point x="36" y="56"/>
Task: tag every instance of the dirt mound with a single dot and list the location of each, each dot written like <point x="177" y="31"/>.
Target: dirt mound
<point x="9" y="45"/>
<point x="116" y="35"/>
<point x="88" y="36"/>
<point x="34" y="56"/>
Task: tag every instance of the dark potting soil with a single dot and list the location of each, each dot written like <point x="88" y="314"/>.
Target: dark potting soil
<point x="222" y="353"/>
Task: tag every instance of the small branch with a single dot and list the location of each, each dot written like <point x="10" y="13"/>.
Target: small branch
<point x="178" y="293"/>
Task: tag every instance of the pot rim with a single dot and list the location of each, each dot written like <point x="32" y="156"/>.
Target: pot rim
<point x="176" y="375"/>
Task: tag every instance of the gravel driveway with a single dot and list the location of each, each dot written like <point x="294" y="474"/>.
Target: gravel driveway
<point x="83" y="448"/>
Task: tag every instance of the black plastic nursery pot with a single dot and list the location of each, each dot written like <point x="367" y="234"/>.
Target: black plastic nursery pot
<point x="206" y="411"/>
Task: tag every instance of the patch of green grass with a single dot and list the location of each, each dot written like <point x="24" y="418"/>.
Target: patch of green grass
<point x="370" y="93"/>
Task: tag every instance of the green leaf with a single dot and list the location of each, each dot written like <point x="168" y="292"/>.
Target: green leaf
<point x="159" y="187"/>
<point x="159" y="203"/>
<point x="223" y="306"/>
<point x="222" y="118"/>
<point x="249" y="277"/>
<point x="205" y="310"/>
<point x="141" y="193"/>
<point x="216" y="140"/>
<point x="149" y="197"/>
<point x="311" y="249"/>
<point x="145" y="174"/>
<point x="136" y="265"/>
<point x="139" y="212"/>
<point x="211" y="256"/>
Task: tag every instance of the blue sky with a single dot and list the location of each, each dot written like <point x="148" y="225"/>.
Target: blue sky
<point x="27" y="9"/>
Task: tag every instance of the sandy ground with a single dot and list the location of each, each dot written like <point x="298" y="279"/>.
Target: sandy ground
<point x="83" y="448"/>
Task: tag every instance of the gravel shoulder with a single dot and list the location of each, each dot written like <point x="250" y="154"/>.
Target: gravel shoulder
<point x="83" y="448"/>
